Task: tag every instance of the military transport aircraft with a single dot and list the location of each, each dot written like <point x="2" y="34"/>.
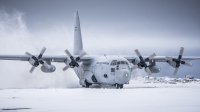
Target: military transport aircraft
<point x="93" y="69"/>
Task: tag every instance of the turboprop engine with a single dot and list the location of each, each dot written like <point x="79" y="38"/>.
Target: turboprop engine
<point x="35" y="61"/>
<point x="142" y="63"/>
<point x="153" y="67"/>
<point x="176" y="62"/>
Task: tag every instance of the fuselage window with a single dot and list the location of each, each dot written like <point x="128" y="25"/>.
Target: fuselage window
<point x="105" y="75"/>
<point x="112" y="69"/>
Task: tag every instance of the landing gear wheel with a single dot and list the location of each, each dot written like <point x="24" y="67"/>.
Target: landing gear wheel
<point x="87" y="85"/>
<point x="121" y="86"/>
<point x="117" y="86"/>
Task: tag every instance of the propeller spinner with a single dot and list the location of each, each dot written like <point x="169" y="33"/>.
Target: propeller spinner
<point x="178" y="61"/>
<point x="74" y="62"/>
<point x="143" y="61"/>
<point x="35" y="61"/>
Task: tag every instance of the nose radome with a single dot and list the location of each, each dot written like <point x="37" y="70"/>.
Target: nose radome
<point x="124" y="77"/>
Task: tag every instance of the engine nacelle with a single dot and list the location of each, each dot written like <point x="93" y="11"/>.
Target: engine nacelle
<point x="172" y="63"/>
<point x="46" y="70"/>
<point x="31" y="61"/>
<point x="135" y="61"/>
<point x="154" y="69"/>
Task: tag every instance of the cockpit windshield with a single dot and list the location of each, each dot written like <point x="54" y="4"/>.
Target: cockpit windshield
<point x="115" y="62"/>
<point x="123" y="62"/>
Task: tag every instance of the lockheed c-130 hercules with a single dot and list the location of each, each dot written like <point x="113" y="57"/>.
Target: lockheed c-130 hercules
<point x="93" y="69"/>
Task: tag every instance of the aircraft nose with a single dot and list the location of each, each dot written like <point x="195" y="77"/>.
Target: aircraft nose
<point x="124" y="77"/>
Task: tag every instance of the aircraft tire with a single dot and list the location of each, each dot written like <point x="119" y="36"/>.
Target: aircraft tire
<point x="121" y="86"/>
<point x="117" y="86"/>
<point x="87" y="85"/>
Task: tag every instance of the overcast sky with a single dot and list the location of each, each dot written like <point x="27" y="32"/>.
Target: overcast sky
<point x="108" y="27"/>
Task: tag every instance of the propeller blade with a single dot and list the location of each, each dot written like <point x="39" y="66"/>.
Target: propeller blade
<point x="28" y="54"/>
<point x="168" y="58"/>
<point x="175" y="71"/>
<point x="148" y="70"/>
<point x="134" y="67"/>
<point x="151" y="56"/>
<point x="32" y="69"/>
<point x="42" y="52"/>
<point x="188" y="64"/>
<point x="66" y="67"/>
<point x="137" y="52"/>
<point x="181" y="51"/>
<point x="68" y="53"/>
<point x="82" y="54"/>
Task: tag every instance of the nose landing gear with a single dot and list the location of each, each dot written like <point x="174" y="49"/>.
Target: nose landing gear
<point x="119" y="86"/>
<point x="87" y="85"/>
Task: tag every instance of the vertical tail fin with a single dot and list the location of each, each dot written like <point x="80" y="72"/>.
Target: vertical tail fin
<point x="78" y="45"/>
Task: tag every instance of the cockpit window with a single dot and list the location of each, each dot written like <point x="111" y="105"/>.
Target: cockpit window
<point x="122" y="63"/>
<point x="126" y="62"/>
<point x="103" y="63"/>
<point x="114" y="62"/>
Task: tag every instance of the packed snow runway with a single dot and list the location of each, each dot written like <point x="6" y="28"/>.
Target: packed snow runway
<point x="136" y="96"/>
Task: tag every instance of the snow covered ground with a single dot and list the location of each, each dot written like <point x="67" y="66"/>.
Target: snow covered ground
<point x="136" y="96"/>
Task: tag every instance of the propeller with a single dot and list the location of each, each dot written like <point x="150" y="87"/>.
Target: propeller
<point x="35" y="61"/>
<point x="143" y="61"/>
<point x="178" y="61"/>
<point x="74" y="61"/>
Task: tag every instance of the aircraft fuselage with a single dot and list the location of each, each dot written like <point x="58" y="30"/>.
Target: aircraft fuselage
<point x="105" y="70"/>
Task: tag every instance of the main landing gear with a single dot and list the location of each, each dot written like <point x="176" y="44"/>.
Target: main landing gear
<point x="119" y="86"/>
<point x="87" y="85"/>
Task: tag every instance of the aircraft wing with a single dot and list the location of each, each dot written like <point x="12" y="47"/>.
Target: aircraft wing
<point x="62" y="58"/>
<point x="162" y="58"/>
<point x="58" y="58"/>
<point x="184" y="58"/>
